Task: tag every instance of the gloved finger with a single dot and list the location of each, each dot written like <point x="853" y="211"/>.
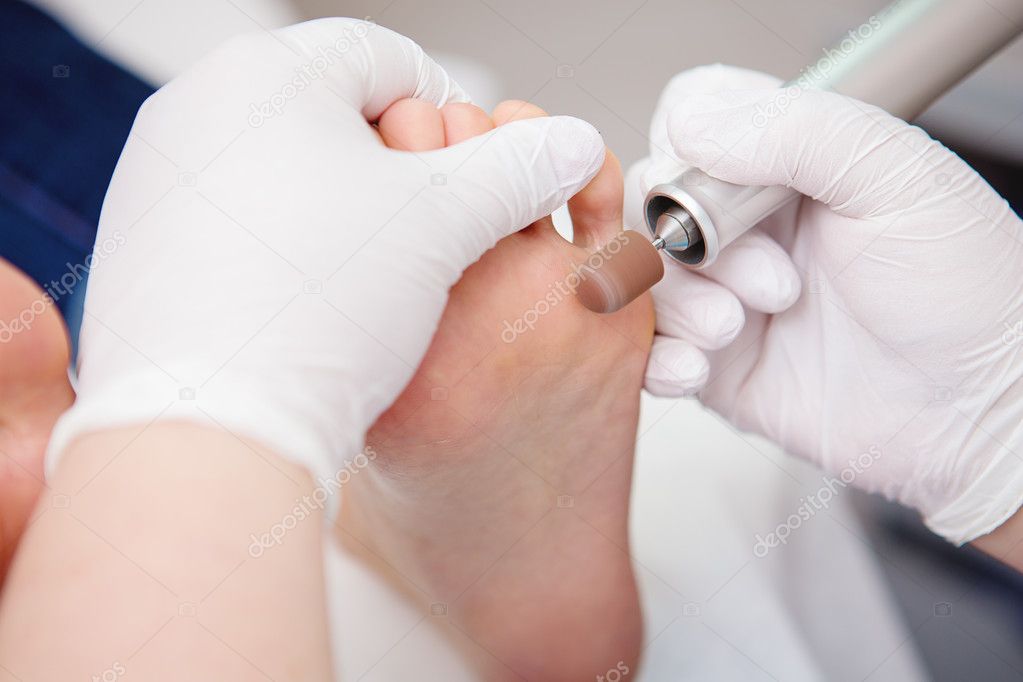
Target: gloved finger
<point x="518" y="110"/>
<point x="758" y="271"/>
<point x="596" y="210"/>
<point x="462" y="121"/>
<point x="693" y="308"/>
<point x="856" y="158"/>
<point x="702" y="79"/>
<point x="412" y="125"/>
<point x="675" y="368"/>
<point x="369" y="66"/>
<point x="499" y="182"/>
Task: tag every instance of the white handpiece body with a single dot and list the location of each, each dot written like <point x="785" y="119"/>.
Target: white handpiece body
<point x="901" y="60"/>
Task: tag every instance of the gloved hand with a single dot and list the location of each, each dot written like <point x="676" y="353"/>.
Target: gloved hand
<point x="893" y="368"/>
<point x="269" y="266"/>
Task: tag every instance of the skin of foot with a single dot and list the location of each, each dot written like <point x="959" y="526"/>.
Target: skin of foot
<point x="34" y="390"/>
<point x="498" y="491"/>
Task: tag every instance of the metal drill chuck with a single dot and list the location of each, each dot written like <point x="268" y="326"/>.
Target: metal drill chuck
<point x="676" y="231"/>
<point x="678" y="226"/>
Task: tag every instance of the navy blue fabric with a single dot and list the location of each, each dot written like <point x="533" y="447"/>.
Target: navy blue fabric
<point x="65" y="114"/>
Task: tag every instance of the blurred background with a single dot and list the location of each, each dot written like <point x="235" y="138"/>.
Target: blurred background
<point x="859" y="591"/>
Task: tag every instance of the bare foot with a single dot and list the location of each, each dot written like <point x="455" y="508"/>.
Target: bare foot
<point x="34" y="390"/>
<point x="501" y="482"/>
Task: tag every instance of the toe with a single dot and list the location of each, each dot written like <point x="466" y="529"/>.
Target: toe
<point x="516" y="110"/>
<point x="412" y="125"/>
<point x="462" y="121"/>
<point x="597" y="209"/>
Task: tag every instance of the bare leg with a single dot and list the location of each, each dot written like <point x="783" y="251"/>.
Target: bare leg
<point x="34" y="390"/>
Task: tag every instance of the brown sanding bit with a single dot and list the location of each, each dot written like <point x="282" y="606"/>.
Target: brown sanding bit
<point x="619" y="272"/>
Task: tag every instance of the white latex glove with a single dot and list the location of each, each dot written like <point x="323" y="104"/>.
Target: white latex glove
<point x="270" y="267"/>
<point x="894" y="368"/>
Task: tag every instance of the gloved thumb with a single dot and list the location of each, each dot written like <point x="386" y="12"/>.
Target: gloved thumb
<point x="495" y="184"/>
<point x="854" y="157"/>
